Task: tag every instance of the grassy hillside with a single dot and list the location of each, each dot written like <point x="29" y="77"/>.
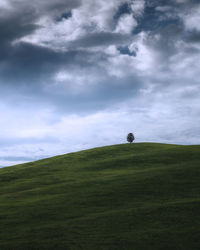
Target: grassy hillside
<point x="139" y="196"/>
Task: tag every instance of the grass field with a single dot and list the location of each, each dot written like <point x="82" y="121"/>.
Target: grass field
<point x="131" y="196"/>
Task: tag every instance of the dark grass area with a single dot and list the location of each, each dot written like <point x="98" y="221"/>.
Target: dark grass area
<point x="129" y="196"/>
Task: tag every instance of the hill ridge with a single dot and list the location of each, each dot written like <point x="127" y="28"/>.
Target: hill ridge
<point x="126" y="196"/>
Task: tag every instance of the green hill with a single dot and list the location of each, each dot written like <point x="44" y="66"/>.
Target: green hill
<point x="129" y="196"/>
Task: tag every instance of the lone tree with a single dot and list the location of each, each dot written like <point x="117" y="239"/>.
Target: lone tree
<point x="130" y="137"/>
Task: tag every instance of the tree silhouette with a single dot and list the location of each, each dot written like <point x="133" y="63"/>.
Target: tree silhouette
<point x="130" y="137"/>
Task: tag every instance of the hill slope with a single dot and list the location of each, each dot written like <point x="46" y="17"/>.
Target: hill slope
<point x="139" y="196"/>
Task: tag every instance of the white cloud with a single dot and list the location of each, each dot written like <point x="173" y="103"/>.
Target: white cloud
<point x="4" y="4"/>
<point x="184" y="64"/>
<point x="77" y="81"/>
<point x="126" y="24"/>
<point x="87" y="18"/>
<point x="163" y="8"/>
<point x="192" y="19"/>
<point x="55" y="35"/>
<point x="137" y="7"/>
<point x="143" y="65"/>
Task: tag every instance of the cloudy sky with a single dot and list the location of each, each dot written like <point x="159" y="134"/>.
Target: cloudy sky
<point x="77" y="74"/>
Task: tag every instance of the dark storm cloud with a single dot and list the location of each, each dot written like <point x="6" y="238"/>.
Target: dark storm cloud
<point x="106" y="94"/>
<point x="193" y="36"/>
<point x="27" y="62"/>
<point x="59" y="5"/>
<point x="24" y="60"/>
<point x="15" y="26"/>
<point x="173" y="3"/>
<point x="30" y="68"/>
<point x="154" y="20"/>
<point x="169" y="34"/>
<point x="43" y="7"/>
<point x="20" y="20"/>
<point x="100" y="39"/>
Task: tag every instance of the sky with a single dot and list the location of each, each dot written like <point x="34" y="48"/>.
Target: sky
<point x="78" y="74"/>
